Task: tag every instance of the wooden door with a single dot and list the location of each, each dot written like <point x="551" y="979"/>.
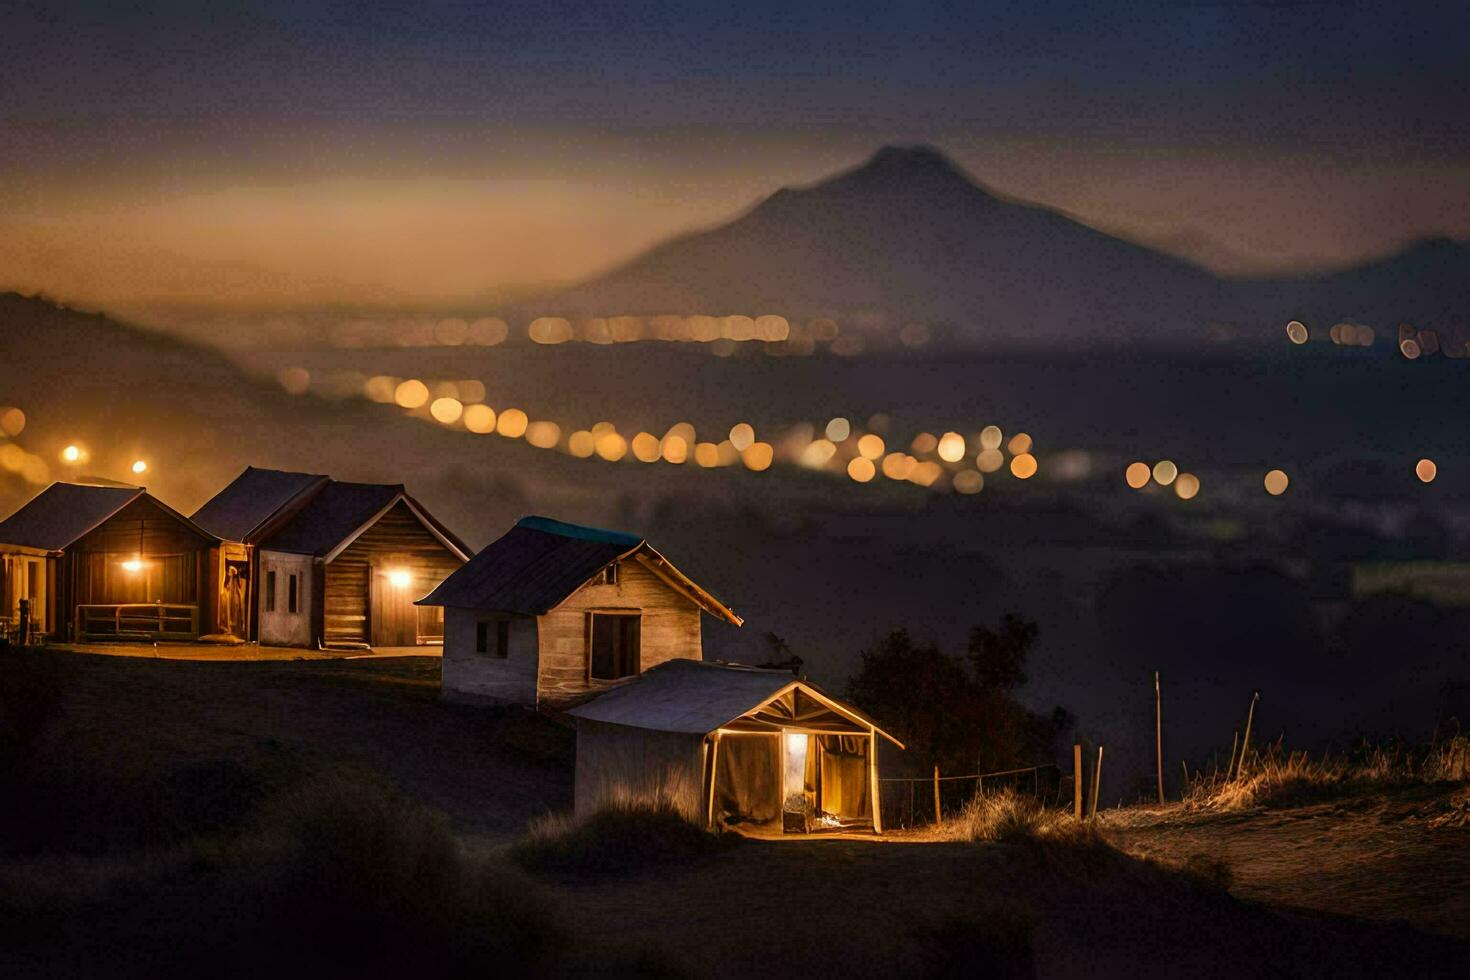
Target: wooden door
<point x="392" y="614"/>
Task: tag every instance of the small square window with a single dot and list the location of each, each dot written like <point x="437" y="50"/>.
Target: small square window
<point x="610" y="574"/>
<point x="501" y="629"/>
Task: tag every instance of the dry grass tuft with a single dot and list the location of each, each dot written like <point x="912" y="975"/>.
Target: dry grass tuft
<point x="1010" y="816"/>
<point x="1277" y="778"/>
<point x="621" y="836"/>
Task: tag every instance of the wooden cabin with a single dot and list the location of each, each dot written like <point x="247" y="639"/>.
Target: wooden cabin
<point x="328" y="563"/>
<point x="731" y="746"/>
<point x="553" y="613"/>
<point x="104" y="563"/>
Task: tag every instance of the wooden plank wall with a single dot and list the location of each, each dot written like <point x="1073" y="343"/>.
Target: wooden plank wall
<point x="670" y="631"/>
<point x="397" y="540"/>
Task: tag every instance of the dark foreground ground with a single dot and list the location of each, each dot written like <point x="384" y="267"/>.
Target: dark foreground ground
<point x="115" y="811"/>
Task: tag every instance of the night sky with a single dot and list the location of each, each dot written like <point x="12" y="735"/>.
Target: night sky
<point x="285" y="156"/>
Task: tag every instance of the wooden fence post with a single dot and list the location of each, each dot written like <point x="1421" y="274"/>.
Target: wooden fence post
<point x="936" y="796"/>
<point x="1245" y="743"/>
<point x="1159" y="735"/>
<point x="1096" y="784"/>
<point x="1077" y="780"/>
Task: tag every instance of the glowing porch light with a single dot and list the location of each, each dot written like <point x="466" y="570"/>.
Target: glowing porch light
<point x="71" y="454"/>
<point x="133" y="565"/>
<point x="399" y="578"/>
<point x="140" y="467"/>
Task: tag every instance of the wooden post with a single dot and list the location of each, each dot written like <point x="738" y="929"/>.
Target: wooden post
<point x="937" y="817"/>
<point x="1245" y="743"/>
<point x="1096" y="784"/>
<point x="1159" y="735"/>
<point x="874" y="788"/>
<point x="1077" y="780"/>
<point x="714" y="764"/>
<point x="24" y="624"/>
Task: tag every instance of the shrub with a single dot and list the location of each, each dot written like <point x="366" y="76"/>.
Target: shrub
<point x="1010" y="816"/>
<point x="1277" y="778"/>
<point x="345" y="873"/>
<point x="620" y="836"/>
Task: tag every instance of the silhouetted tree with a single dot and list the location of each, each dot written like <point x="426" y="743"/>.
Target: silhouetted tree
<point x="958" y="713"/>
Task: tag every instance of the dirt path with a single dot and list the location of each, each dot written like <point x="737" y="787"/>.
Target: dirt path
<point x="1371" y="856"/>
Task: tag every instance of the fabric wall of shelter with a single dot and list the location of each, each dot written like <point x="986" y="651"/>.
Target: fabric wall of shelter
<point x="845" y="776"/>
<point x="748" y="779"/>
<point x="617" y="763"/>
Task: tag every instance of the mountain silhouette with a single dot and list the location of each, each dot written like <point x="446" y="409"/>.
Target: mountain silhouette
<point x="910" y="236"/>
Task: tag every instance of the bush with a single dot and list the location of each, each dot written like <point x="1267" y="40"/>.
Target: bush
<point x="345" y="873"/>
<point x="1279" y="779"/>
<point x="1011" y="816"/>
<point x="618" y="837"/>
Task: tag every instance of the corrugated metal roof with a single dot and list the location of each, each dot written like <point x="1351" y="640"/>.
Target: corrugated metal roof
<point x="688" y="696"/>
<point x="531" y="568"/>
<point x="64" y="512"/>
<point x="331" y="516"/>
<point x="251" y="499"/>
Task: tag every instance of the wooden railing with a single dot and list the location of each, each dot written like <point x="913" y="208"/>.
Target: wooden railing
<point x="137" y="621"/>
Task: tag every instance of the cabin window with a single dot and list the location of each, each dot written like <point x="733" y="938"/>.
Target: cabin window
<point x="610" y="574"/>
<point x="500" y="631"/>
<point x="291" y="595"/>
<point x="615" y="645"/>
<point x="270" y="591"/>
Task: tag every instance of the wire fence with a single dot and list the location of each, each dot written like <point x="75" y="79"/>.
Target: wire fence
<point x="920" y="801"/>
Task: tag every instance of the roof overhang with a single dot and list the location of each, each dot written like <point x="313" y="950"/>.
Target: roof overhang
<point x="857" y="718"/>
<point x="663" y="569"/>
<point x="419" y="514"/>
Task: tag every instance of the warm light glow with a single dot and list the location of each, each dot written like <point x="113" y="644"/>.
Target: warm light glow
<point x="12" y="421"/>
<point x="1137" y="475"/>
<point x="675" y="449"/>
<point x="899" y="466"/>
<point x="140" y="467"/>
<point x="817" y="453"/>
<point x="611" y="446"/>
<point x="1297" y="331"/>
<point x="412" y="393"/>
<point x="707" y="454"/>
<point x="512" y="423"/>
<point x="1277" y="482"/>
<point x="838" y="429"/>
<point x="742" y="435"/>
<point x="446" y="410"/>
<point x="1023" y="467"/>
<point x="1020" y="443"/>
<point x="399" y="578"/>
<point x="646" y="448"/>
<point x="990" y="437"/>
<point x="870" y="446"/>
<point x="71" y="454"/>
<point x="479" y="418"/>
<point x="989" y="460"/>
<point x="969" y="481"/>
<point x="1426" y="470"/>
<point x="583" y="444"/>
<point x="952" y="447"/>
<point x="1165" y="471"/>
<point x="543" y="435"/>
<point x="133" y="565"/>
<point x="296" y="380"/>
<point x="1186" y="486"/>
<point x="861" y="469"/>
<point x="925" y="442"/>
<point x="758" y="456"/>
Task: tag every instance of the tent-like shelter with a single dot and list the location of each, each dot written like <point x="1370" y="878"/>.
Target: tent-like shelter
<point x="731" y="746"/>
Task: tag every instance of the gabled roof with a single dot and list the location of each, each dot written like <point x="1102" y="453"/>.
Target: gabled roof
<point x="60" y="515"/>
<point x="339" y="512"/>
<point x="252" y="499"/>
<point x="537" y="564"/>
<point x="693" y="697"/>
